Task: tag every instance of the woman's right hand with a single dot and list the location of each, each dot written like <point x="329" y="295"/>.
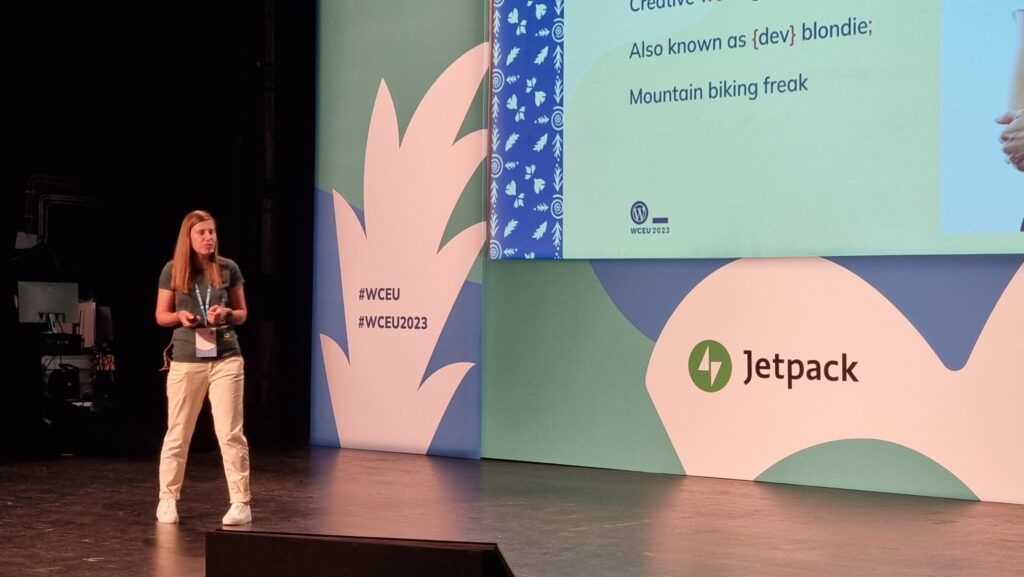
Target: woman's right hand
<point x="187" y="319"/>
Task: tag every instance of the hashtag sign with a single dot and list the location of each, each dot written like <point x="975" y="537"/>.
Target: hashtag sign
<point x="362" y="322"/>
<point x="362" y="293"/>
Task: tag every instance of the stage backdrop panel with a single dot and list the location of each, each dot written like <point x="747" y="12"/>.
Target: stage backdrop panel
<point x="639" y="129"/>
<point x="888" y="373"/>
<point x="400" y="146"/>
<point x="893" y="374"/>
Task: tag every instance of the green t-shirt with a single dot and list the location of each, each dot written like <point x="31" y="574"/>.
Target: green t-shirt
<point x="184" y="339"/>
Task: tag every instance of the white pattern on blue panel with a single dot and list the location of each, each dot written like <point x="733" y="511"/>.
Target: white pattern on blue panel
<point x="527" y="165"/>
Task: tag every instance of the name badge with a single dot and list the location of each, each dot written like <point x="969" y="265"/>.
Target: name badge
<point x="206" y="343"/>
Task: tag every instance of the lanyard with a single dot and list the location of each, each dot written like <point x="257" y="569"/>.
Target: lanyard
<point x="204" y="306"/>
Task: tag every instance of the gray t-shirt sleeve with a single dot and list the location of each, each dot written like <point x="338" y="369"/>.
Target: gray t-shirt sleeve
<point x="230" y="273"/>
<point x="165" y="277"/>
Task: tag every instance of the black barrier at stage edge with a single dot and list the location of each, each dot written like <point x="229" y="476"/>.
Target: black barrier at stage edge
<point x="266" y="554"/>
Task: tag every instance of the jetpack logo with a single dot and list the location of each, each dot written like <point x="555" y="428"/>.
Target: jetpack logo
<point x="710" y="367"/>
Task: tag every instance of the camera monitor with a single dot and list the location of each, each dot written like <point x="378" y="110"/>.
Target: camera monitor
<point x="47" y="302"/>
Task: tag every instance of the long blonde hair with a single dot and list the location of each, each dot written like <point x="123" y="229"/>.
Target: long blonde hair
<point x="182" y="278"/>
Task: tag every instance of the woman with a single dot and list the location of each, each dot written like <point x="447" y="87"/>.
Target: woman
<point x="201" y="295"/>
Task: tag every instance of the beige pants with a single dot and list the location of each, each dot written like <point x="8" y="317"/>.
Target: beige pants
<point x="187" y="385"/>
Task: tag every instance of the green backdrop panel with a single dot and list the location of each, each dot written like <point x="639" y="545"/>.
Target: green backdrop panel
<point x="564" y="372"/>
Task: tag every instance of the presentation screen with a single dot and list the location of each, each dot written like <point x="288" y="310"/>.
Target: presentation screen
<point x="737" y="128"/>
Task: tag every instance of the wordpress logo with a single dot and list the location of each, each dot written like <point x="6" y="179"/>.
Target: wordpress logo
<point x="638" y="212"/>
<point x="710" y="366"/>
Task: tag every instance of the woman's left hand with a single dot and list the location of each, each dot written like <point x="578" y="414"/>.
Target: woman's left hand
<point x="218" y="315"/>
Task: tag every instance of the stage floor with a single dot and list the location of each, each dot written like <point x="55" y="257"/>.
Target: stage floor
<point x="91" y="516"/>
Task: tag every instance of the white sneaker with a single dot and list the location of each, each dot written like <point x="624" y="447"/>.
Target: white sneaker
<point x="167" y="511"/>
<point x="238" y="514"/>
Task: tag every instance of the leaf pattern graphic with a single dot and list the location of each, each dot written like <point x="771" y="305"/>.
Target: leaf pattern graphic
<point x="541" y="143"/>
<point x="512" y="140"/>
<point x="541" y="56"/>
<point x="511" y="226"/>
<point x="539" y="233"/>
<point x="534" y="116"/>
